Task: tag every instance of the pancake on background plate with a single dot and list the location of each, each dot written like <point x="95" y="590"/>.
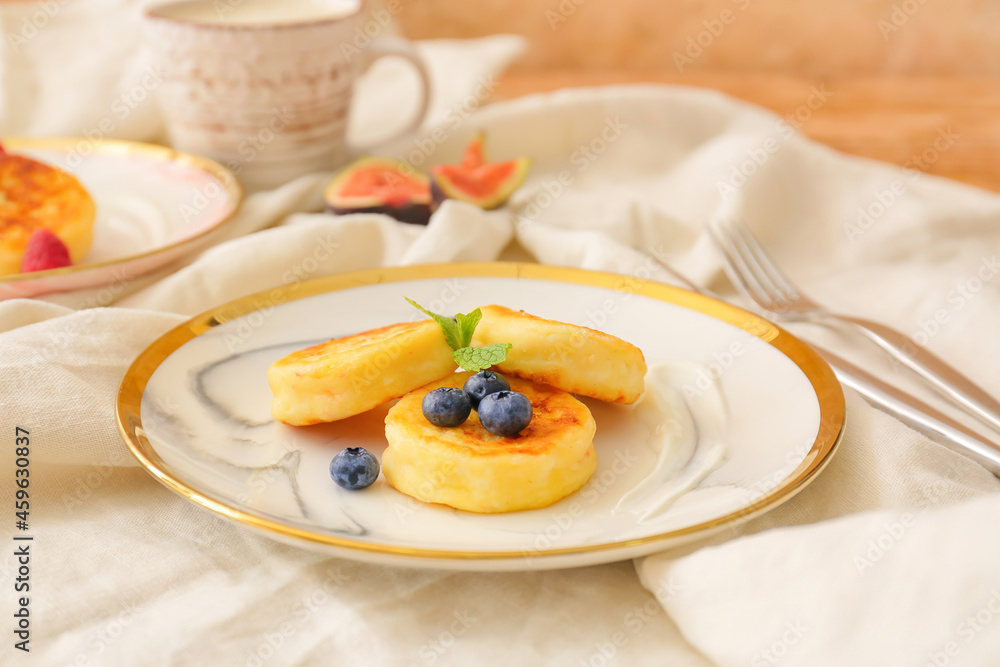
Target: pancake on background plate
<point x="36" y="196"/>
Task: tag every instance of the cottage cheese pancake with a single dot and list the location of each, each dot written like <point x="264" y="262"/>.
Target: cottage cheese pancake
<point x="570" y="357"/>
<point x="35" y="196"/>
<point x="347" y="376"/>
<point x="468" y="468"/>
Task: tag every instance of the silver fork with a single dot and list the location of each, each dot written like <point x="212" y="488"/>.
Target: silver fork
<point x="909" y="409"/>
<point x="758" y="278"/>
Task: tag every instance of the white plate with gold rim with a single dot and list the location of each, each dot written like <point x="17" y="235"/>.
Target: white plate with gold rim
<point x="154" y="205"/>
<point x="194" y="408"/>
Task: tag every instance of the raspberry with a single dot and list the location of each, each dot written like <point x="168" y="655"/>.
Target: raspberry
<point x="45" y="251"/>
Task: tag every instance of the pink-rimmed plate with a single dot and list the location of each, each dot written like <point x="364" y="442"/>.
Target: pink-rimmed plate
<point x="154" y="205"/>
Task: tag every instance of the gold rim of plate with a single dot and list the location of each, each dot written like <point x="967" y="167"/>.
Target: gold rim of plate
<point x="122" y="147"/>
<point x="827" y="388"/>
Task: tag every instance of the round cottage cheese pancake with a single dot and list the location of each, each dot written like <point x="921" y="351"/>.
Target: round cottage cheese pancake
<point x="468" y="468"/>
<point x="35" y="196"/>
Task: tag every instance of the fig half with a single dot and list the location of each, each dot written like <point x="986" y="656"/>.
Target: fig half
<point x="378" y="185"/>
<point x="476" y="181"/>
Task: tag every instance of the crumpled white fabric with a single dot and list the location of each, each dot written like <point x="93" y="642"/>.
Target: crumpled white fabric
<point x="887" y="558"/>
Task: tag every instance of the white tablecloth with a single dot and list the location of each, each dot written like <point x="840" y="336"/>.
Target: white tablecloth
<point x="889" y="558"/>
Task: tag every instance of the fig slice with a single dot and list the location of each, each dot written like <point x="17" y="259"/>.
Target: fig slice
<point x="477" y="181"/>
<point x="380" y="185"/>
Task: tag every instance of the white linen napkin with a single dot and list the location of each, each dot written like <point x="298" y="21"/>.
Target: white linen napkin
<point x="887" y="558"/>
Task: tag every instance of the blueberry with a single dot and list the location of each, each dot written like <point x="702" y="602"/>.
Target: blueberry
<point x="446" y="406"/>
<point x="505" y="413"/>
<point x="483" y="383"/>
<point x="354" y="468"/>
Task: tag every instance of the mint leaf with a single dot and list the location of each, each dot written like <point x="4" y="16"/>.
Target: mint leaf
<point x="467" y="325"/>
<point x="450" y="327"/>
<point x="476" y="359"/>
<point x="458" y="332"/>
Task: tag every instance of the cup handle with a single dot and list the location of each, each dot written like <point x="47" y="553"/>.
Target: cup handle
<point x="397" y="46"/>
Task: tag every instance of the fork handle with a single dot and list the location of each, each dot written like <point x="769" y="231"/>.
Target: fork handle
<point x="943" y="377"/>
<point x="915" y="413"/>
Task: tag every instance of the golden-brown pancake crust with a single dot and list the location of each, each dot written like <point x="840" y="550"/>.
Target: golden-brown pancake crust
<point x="37" y="196"/>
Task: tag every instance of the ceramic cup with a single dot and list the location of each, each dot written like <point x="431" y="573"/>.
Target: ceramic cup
<point x="265" y="86"/>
